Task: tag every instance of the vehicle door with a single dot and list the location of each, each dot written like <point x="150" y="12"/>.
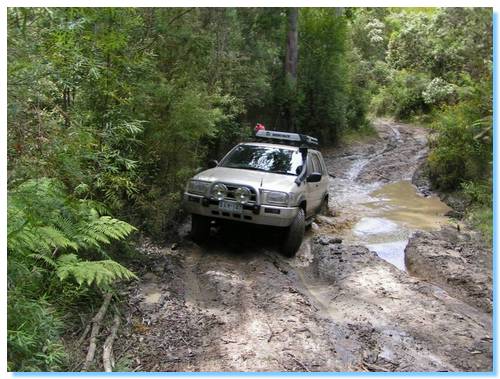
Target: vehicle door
<point x="314" y="191"/>
<point x="325" y="178"/>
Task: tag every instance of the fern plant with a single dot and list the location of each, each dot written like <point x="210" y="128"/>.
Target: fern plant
<point x="102" y="273"/>
<point x="50" y="237"/>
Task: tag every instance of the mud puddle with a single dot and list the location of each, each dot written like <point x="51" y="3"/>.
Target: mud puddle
<point x="388" y="216"/>
<point x="373" y="199"/>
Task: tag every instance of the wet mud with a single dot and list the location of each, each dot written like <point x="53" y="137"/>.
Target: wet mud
<point x="349" y="300"/>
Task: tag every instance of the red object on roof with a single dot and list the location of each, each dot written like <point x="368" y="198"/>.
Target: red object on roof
<point x="259" y="127"/>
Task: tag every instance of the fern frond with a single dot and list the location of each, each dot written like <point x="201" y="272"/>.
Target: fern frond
<point x="102" y="273"/>
<point x="104" y="229"/>
<point x="44" y="258"/>
<point x="55" y="238"/>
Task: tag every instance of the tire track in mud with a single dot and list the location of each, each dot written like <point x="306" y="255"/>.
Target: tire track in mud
<point x="235" y="304"/>
<point x="267" y="321"/>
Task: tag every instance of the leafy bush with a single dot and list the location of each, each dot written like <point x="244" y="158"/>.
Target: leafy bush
<point x="403" y="96"/>
<point x="481" y="213"/>
<point x="438" y="91"/>
<point x="51" y="240"/>
<point x="479" y="192"/>
<point x="462" y="150"/>
<point x="33" y="331"/>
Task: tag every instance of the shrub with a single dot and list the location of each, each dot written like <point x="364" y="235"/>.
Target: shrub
<point x="438" y="91"/>
<point x="463" y="147"/>
<point x="52" y="238"/>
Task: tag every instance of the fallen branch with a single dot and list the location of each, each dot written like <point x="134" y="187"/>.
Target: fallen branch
<point x="373" y="367"/>
<point x="96" y="326"/>
<point x="107" y="353"/>
<point x="270" y="330"/>
<point x="84" y="334"/>
<point x="298" y="362"/>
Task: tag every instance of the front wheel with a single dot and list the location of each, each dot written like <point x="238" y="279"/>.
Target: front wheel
<point x="294" y="235"/>
<point x="200" y="228"/>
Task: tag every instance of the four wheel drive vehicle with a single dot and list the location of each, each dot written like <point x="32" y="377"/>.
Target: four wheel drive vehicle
<point x="281" y="182"/>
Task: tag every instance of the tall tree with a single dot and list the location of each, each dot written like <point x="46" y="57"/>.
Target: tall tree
<point x="292" y="53"/>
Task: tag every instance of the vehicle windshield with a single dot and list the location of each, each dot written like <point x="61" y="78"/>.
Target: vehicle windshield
<point x="264" y="158"/>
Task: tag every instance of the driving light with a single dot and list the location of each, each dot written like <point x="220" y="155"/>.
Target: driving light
<point x="198" y="186"/>
<point x="242" y="195"/>
<point x="274" y="197"/>
<point x="219" y="191"/>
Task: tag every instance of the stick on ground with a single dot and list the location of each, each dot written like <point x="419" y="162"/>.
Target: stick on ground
<point x="96" y="326"/>
<point x="107" y="354"/>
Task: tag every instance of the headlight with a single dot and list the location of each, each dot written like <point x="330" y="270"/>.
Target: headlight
<point x="242" y="195"/>
<point x="274" y="197"/>
<point x="219" y="191"/>
<point x="198" y="186"/>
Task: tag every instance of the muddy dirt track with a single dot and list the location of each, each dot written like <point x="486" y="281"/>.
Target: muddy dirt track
<point x="236" y="304"/>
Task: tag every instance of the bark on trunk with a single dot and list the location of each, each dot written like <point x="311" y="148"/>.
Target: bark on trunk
<point x="292" y="50"/>
<point x="292" y="44"/>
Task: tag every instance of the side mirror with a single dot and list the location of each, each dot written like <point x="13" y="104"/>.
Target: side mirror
<point x="213" y="163"/>
<point x="314" y="177"/>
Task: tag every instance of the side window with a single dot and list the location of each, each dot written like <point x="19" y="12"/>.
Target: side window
<point x="316" y="164"/>
<point x="324" y="171"/>
<point x="310" y="168"/>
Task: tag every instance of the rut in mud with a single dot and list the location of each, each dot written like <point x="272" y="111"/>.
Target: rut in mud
<point x="237" y="305"/>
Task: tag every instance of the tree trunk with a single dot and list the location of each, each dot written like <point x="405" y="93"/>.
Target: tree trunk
<point x="292" y="44"/>
<point x="291" y="68"/>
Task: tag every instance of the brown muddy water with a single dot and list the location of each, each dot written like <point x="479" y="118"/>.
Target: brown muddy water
<point x="384" y="218"/>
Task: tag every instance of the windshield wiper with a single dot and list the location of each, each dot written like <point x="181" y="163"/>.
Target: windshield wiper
<point x="247" y="168"/>
<point x="282" y="172"/>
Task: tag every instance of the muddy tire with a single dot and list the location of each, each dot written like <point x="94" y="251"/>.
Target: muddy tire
<point x="294" y="235"/>
<point x="200" y="228"/>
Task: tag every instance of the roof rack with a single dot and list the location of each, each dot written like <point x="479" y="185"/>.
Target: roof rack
<point x="289" y="138"/>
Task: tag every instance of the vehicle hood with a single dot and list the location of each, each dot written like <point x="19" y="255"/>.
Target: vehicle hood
<point x="256" y="179"/>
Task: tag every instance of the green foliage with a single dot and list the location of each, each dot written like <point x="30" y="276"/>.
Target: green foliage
<point x="43" y="219"/>
<point x="479" y="192"/>
<point x="33" y="332"/>
<point x="323" y="72"/>
<point x="51" y="237"/>
<point x="102" y="273"/>
<point x="462" y="150"/>
<point x="362" y="134"/>
<point x="403" y="97"/>
<point x="480" y="215"/>
<point x="438" y="91"/>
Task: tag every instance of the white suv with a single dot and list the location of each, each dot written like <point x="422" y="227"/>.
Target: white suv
<point x="275" y="184"/>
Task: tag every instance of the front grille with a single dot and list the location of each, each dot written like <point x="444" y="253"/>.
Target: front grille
<point x="235" y="215"/>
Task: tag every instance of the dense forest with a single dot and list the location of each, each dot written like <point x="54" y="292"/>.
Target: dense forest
<point x="111" y="110"/>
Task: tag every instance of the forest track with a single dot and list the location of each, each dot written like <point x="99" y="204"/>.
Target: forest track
<point x="236" y="304"/>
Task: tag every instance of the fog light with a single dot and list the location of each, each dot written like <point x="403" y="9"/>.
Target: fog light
<point x="219" y="191"/>
<point x="242" y="195"/>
